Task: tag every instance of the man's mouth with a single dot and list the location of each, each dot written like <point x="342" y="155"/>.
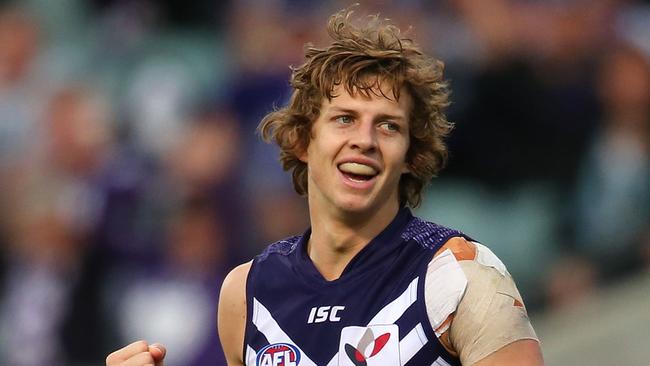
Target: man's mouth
<point x="358" y="172"/>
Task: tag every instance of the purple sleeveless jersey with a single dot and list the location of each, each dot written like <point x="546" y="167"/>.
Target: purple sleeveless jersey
<point x="374" y="314"/>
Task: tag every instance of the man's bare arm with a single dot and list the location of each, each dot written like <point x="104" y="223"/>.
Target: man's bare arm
<point x="232" y="314"/>
<point x="525" y="352"/>
<point x="490" y="325"/>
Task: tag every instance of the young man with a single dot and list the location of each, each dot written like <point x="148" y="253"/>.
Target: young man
<point x="368" y="283"/>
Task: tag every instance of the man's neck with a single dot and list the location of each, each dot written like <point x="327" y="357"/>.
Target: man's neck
<point x="336" y="238"/>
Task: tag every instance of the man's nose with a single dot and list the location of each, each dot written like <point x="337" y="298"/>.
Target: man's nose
<point x="364" y="137"/>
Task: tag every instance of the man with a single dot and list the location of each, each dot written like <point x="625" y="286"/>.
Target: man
<point x="368" y="283"/>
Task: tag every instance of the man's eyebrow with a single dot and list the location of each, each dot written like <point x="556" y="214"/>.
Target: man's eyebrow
<point x="355" y="113"/>
<point x="342" y="110"/>
<point x="391" y="117"/>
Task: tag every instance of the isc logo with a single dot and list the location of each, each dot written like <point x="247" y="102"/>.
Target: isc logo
<point x="323" y="313"/>
<point x="278" y="354"/>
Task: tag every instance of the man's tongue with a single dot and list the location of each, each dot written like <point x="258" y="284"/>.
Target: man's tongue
<point x="356" y="171"/>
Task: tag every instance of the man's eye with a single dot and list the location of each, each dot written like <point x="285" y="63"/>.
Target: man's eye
<point x="389" y="126"/>
<point x="344" y="120"/>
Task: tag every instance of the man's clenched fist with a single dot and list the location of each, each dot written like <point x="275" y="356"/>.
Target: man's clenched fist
<point x="138" y="353"/>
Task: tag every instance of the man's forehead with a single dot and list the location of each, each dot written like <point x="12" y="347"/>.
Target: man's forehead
<point x="370" y="86"/>
<point x="399" y="99"/>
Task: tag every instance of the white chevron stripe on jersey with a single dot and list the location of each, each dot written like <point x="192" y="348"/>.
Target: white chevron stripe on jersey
<point x="440" y="362"/>
<point x="444" y="286"/>
<point x="393" y="311"/>
<point x="265" y="323"/>
<point x="251" y="356"/>
<point x="412" y="343"/>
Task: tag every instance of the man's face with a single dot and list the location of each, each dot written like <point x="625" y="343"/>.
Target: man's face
<point x="357" y="153"/>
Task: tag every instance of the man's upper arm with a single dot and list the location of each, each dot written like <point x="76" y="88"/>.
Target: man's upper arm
<point x="488" y="323"/>
<point x="232" y="314"/>
<point x="490" y="318"/>
<point x="491" y="326"/>
<point x="522" y="352"/>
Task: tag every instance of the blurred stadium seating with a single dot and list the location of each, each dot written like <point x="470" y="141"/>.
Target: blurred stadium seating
<point x="132" y="177"/>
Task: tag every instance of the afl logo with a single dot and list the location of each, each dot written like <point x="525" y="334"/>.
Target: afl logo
<point x="278" y="354"/>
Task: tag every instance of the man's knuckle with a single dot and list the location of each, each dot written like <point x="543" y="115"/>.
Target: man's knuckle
<point x="112" y="358"/>
<point x="142" y="345"/>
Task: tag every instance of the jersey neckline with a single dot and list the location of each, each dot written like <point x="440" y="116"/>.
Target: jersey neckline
<point x="374" y="253"/>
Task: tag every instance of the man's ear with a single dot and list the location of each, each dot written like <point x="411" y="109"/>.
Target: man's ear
<point x="406" y="169"/>
<point x="302" y="155"/>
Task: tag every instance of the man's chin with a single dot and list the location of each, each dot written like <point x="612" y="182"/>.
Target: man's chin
<point x="355" y="207"/>
<point x="359" y="208"/>
<point x="363" y="205"/>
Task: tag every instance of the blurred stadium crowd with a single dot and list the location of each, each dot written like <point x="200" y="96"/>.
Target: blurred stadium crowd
<point x="132" y="179"/>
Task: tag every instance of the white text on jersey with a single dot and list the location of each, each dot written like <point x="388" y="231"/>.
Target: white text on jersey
<point x="278" y="358"/>
<point x="323" y="313"/>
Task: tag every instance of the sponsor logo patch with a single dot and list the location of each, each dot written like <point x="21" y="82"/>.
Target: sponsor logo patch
<point x="278" y="354"/>
<point x="368" y="346"/>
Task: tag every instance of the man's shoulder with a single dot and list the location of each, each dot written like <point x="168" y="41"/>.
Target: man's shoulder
<point x="428" y="234"/>
<point x="465" y="250"/>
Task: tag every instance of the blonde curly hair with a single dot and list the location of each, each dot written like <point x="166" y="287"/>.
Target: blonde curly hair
<point x="360" y="58"/>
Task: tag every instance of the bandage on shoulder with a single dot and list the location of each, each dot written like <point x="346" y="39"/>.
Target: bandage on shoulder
<point x="472" y="301"/>
<point x="491" y="313"/>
